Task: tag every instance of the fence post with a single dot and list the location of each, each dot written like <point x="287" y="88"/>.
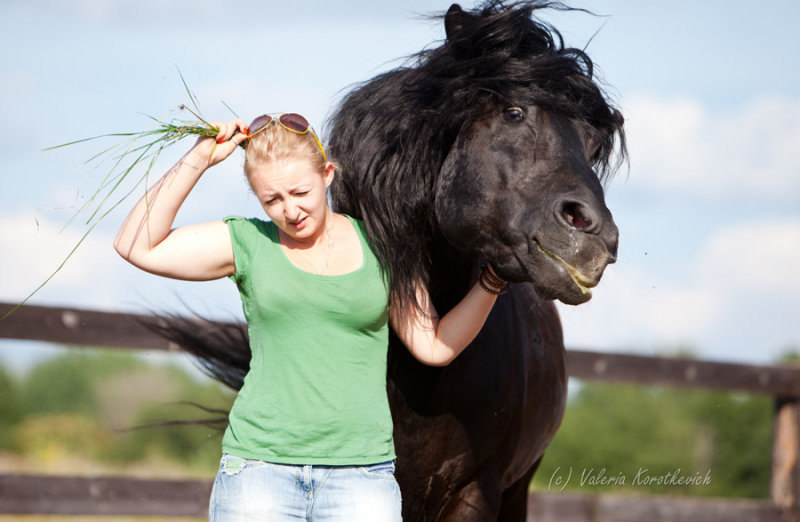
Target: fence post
<point x="785" y="486"/>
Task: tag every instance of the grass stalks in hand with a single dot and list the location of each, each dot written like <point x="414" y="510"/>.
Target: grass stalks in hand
<point x="131" y="159"/>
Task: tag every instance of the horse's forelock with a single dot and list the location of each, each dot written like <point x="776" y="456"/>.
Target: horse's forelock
<point x="503" y="48"/>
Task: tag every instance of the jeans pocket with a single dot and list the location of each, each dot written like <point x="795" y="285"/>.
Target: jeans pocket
<point x="232" y="465"/>
<point x="384" y="470"/>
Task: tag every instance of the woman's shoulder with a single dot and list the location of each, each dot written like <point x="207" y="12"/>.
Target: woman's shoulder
<point x="358" y="224"/>
<point x="249" y="223"/>
<point x="250" y="227"/>
<point x="362" y="231"/>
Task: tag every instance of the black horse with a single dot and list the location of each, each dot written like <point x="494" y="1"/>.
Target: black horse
<point x="491" y="147"/>
<point x="484" y="149"/>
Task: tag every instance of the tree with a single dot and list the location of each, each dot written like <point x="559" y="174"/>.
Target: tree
<point x="10" y="408"/>
<point x="643" y="439"/>
<point x="115" y="408"/>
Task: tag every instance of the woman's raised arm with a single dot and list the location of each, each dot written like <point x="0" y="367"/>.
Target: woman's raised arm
<point x="196" y="252"/>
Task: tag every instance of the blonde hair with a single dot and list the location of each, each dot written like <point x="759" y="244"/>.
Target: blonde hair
<point x="276" y="143"/>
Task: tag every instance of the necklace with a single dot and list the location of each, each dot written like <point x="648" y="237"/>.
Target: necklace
<point x="328" y="246"/>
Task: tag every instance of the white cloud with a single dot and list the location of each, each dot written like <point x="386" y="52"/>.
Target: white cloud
<point x="679" y="146"/>
<point x="638" y="311"/>
<point x="95" y="276"/>
<point x="762" y="258"/>
<point x="736" y="302"/>
<point x="33" y="249"/>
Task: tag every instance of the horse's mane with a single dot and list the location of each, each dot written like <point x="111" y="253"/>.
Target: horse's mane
<point x="391" y="135"/>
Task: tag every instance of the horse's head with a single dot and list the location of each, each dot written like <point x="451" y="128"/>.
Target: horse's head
<point x="519" y="185"/>
<point x="498" y="141"/>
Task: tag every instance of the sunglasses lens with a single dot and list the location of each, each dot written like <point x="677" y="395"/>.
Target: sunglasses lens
<point x="294" y="122"/>
<point x="259" y="123"/>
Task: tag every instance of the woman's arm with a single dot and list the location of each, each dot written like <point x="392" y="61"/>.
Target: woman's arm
<point x="438" y="341"/>
<point x="197" y="252"/>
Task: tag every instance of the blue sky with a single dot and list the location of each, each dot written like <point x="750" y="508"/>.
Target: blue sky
<point x="709" y="210"/>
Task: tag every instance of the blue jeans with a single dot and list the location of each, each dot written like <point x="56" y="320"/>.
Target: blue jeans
<point x="249" y="490"/>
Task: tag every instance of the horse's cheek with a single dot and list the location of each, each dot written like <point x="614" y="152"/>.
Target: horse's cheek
<point x="460" y="205"/>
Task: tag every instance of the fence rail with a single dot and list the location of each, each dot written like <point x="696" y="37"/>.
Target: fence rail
<point x="110" y="496"/>
<point x="117" y="496"/>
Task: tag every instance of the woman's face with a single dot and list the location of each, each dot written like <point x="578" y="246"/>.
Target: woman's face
<point x="293" y="194"/>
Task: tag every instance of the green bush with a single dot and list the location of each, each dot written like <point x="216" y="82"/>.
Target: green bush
<point x="100" y="397"/>
<point x="10" y="408"/>
<point x="68" y="383"/>
<point x="641" y="439"/>
<point x="157" y="436"/>
<point x="54" y="437"/>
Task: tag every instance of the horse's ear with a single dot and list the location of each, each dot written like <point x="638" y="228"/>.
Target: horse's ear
<point x="454" y="20"/>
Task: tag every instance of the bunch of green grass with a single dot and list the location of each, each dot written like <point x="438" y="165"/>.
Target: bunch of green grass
<point x="138" y="153"/>
<point x="138" y="148"/>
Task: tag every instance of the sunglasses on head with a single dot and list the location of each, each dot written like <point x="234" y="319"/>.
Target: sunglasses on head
<point x="289" y="121"/>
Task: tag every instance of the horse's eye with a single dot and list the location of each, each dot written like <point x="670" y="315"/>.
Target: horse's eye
<point x="514" y="114"/>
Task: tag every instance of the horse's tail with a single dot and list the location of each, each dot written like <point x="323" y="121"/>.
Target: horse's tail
<point x="221" y="349"/>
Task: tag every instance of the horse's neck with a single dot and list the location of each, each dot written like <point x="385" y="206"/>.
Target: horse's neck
<point x="452" y="275"/>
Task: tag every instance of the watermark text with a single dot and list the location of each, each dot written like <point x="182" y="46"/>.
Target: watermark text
<point x="602" y="477"/>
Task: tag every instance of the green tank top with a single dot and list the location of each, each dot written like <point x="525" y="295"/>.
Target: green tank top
<point x="316" y="389"/>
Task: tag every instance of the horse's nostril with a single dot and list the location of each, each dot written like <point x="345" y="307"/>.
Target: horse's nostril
<point x="612" y="252"/>
<point x="577" y="216"/>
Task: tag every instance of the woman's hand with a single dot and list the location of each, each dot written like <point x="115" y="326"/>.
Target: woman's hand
<point x="207" y="152"/>
<point x="198" y="252"/>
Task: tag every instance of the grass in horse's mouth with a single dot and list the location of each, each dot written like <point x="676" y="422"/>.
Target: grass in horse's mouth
<point x="579" y="279"/>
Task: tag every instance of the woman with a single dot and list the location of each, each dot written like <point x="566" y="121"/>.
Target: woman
<point x="310" y="432"/>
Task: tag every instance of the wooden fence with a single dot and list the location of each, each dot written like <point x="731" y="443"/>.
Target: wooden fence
<point x="29" y="494"/>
